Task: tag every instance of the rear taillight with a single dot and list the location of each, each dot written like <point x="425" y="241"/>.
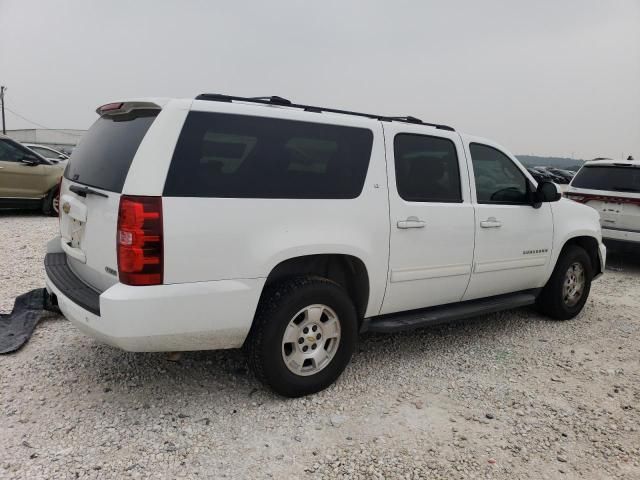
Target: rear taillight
<point x="576" y="197"/>
<point x="139" y="240"/>
<point x="588" y="197"/>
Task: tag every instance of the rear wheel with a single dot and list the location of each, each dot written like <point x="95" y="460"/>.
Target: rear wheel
<point x="566" y="292"/>
<point x="303" y="336"/>
<point x="51" y="203"/>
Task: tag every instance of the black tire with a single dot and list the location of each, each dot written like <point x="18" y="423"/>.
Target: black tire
<point x="551" y="300"/>
<point x="50" y="203"/>
<point x="278" y="306"/>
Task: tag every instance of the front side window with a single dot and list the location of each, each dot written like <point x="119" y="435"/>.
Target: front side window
<point x="498" y="179"/>
<point x="239" y="156"/>
<point x="427" y="169"/>
<point x="45" y="152"/>
<point x="10" y="152"/>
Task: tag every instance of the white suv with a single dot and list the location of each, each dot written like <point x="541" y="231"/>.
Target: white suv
<point x="613" y="189"/>
<point x="226" y="222"/>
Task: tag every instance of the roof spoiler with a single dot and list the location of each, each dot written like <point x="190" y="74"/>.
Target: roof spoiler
<point x="122" y="108"/>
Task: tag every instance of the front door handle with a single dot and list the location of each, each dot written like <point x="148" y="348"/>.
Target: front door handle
<point x="411" y="222"/>
<point x="491" y="222"/>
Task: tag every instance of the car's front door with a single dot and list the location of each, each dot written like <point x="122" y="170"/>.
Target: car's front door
<point x="513" y="239"/>
<point x="19" y="179"/>
<point x="432" y="218"/>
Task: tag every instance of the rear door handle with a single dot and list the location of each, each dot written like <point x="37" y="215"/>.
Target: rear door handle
<point x="491" y="222"/>
<point x="411" y="222"/>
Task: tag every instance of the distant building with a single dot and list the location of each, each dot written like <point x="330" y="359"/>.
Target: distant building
<point x="61" y="137"/>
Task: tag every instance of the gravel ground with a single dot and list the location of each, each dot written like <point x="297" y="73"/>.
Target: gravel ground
<point x="509" y="395"/>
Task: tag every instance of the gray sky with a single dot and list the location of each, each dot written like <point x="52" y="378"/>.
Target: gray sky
<point x="546" y="77"/>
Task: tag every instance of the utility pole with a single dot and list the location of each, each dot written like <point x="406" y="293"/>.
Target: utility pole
<point x="2" y="89"/>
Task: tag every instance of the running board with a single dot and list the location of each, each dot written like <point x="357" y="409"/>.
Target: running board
<point x="395" y="322"/>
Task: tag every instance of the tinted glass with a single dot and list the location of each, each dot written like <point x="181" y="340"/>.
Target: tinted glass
<point x="104" y="155"/>
<point x="498" y="179"/>
<point x="12" y="152"/>
<point x="618" y="179"/>
<point x="222" y="155"/>
<point x="426" y="169"/>
<point x="46" y="153"/>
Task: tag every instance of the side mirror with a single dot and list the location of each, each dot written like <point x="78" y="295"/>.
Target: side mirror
<point x="30" y="161"/>
<point x="546" y="192"/>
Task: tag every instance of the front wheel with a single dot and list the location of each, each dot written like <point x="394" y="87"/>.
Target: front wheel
<point x="566" y="292"/>
<point x="303" y="336"/>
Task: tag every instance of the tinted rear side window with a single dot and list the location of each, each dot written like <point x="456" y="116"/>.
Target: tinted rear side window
<point x="426" y="168"/>
<point x="104" y="155"/>
<point x="608" y="177"/>
<point x="238" y="156"/>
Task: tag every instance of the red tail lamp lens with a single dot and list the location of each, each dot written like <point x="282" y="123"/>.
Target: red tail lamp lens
<point x="139" y="240"/>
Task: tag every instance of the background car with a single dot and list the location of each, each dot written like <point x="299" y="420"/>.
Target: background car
<point x="565" y="175"/>
<point x="613" y="188"/>
<point x="27" y="179"/>
<point x="47" y="152"/>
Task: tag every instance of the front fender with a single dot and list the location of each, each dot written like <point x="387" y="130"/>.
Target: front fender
<point x="572" y="220"/>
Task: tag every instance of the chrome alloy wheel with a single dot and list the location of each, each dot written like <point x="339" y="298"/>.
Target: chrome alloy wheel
<point x="55" y="204"/>
<point x="311" y="340"/>
<point x="574" y="283"/>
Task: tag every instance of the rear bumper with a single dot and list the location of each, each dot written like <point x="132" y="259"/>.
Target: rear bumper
<point x="189" y="316"/>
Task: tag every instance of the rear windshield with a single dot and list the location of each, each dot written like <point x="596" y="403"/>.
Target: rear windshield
<point x="104" y="155"/>
<point x="608" y="177"/>
<point x="238" y="156"/>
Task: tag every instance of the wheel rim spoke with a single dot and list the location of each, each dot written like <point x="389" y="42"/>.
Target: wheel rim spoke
<point x="295" y="361"/>
<point x="291" y="334"/>
<point x="320" y="357"/>
<point x="331" y="328"/>
<point x="314" y="313"/>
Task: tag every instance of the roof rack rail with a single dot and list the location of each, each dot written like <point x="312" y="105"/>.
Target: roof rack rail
<point x="275" y="100"/>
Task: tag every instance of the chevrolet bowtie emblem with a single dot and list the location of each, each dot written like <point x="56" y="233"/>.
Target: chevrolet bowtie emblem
<point x="66" y="207"/>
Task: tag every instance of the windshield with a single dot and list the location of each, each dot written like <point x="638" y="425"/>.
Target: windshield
<point x="609" y="177"/>
<point x="104" y="155"/>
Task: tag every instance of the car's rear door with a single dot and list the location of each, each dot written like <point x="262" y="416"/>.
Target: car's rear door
<point x="432" y="218"/>
<point x="90" y="193"/>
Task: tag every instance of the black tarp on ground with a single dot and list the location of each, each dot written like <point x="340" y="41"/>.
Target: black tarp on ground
<point x="17" y="327"/>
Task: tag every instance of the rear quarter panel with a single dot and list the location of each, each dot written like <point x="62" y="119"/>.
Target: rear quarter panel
<point x="226" y="238"/>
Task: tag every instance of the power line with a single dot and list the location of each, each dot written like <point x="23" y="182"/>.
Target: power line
<point x="39" y="124"/>
<point x="26" y="119"/>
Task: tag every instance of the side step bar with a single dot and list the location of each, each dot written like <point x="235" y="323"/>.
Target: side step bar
<point x="396" y="322"/>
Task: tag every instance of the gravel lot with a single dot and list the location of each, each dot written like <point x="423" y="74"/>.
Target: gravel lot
<point x="510" y="395"/>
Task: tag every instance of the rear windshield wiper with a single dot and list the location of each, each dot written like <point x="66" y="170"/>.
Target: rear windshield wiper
<point x="84" y="191"/>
